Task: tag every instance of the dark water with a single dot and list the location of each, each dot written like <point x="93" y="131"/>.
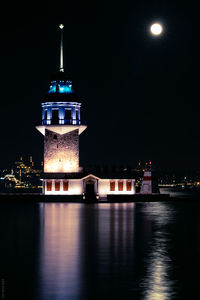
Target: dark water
<point x="100" y="251"/>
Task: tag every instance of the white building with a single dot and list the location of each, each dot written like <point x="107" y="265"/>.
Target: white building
<point x="91" y="185"/>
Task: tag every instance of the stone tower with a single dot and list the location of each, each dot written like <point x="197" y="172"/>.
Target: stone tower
<point x="61" y="123"/>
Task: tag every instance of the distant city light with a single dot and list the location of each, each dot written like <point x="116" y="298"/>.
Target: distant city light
<point x="61" y="26"/>
<point x="156" y="29"/>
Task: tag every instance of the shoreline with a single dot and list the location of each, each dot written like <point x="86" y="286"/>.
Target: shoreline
<point x="40" y="198"/>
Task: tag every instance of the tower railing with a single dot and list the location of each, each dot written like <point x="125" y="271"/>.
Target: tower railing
<point x="63" y="122"/>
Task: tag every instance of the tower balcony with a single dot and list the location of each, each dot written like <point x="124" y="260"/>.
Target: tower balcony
<point x="61" y="126"/>
<point x="61" y="117"/>
<point x="63" y="122"/>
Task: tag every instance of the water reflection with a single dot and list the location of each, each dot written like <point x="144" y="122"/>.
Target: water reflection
<point x="107" y="247"/>
<point x="96" y="251"/>
<point x="59" y="254"/>
<point x="157" y="283"/>
<point x="19" y="232"/>
<point x="85" y="249"/>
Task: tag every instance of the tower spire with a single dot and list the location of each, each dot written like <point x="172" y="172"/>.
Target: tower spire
<point x="61" y="26"/>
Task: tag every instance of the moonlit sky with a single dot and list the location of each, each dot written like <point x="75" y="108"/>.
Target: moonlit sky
<point x="140" y="94"/>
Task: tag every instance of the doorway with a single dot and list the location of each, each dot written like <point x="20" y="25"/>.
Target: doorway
<point x="90" y="194"/>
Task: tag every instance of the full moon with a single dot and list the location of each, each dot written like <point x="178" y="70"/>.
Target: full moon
<point x="156" y="29"/>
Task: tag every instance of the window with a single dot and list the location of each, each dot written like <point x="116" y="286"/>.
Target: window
<point x="57" y="185"/>
<point x="55" y="137"/>
<point x="65" y="185"/>
<point x="120" y="185"/>
<point x="45" y="114"/>
<point x="68" y="114"/>
<point x="49" y="186"/>
<point x="77" y="115"/>
<point x="112" y="185"/>
<point x="128" y="185"/>
<point x="54" y="119"/>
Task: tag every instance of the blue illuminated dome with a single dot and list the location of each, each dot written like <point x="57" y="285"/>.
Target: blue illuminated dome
<point x="61" y="86"/>
<point x="61" y="106"/>
<point x="60" y="89"/>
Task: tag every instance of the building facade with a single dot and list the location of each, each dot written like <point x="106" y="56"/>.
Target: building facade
<point x="89" y="184"/>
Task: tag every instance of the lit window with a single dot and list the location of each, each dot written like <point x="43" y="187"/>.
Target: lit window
<point x="49" y="186"/>
<point x="112" y="185"/>
<point x="120" y="185"/>
<point x="65" y="185"/>
<point x="57" y="185"/>
<point x="128" y="185"/>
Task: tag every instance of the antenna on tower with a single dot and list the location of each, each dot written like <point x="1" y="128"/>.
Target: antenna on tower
<point x="61" y="26"/>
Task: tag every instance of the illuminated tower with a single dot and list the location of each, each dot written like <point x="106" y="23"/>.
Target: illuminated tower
<point x="61" y="123"/>
<point x="146" y="187"/>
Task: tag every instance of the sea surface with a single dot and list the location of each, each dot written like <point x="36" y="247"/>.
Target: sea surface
<point x="72" y="251"/>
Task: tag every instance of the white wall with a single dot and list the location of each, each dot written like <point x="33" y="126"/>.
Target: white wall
<point x="75" y="187"/>
<point x="104" y="187"/>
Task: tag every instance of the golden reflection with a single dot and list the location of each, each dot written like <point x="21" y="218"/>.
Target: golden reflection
<point x="59" y="261"/>
<point x="157" y="284"/>
<point x="116" y="232"/>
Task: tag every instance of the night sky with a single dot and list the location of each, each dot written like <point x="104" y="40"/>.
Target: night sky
<point x="140" y="93"/>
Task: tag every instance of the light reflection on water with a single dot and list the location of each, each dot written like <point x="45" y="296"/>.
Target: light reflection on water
<point x="81" y="246"/>
<point x="99" y="251"/>
<point x="157" y="284"/>
<point x="59" y="254"/>
<point x="96" y="245"/>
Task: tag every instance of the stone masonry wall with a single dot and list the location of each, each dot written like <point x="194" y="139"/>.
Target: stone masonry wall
<point x="61" y="152"/>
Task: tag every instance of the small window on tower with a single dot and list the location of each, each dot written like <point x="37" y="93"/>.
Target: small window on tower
<point x="77" y="115"/>
<point x="55" y="118"/>
<point x="45" y="114"/>
<point x="68" y="114"/>
<point x="55" y="137"/>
